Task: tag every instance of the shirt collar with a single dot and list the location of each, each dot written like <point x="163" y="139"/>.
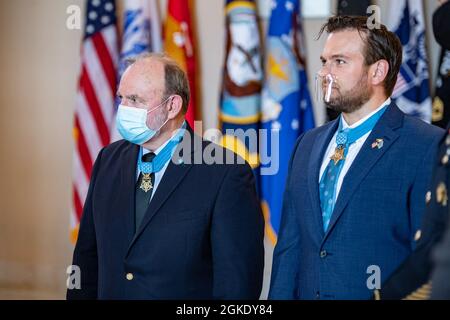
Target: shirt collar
<point x="345" y="125"/>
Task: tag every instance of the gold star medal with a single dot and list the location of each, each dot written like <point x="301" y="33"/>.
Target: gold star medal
<point x="338" y="154"/>
<point x="146" y="184"/>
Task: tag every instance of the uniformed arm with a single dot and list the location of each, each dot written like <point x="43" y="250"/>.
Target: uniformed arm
<point x="237" y="237"/>
<point x="85" y="253"/>
<point x="420" y="187"/>
<point x="440" y="279"/>
<point x="441" y="25"/>
<point x="284" y="279"/>
<point x="414" y="272"/>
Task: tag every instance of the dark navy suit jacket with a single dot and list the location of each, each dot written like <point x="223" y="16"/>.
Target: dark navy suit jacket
<point x="201" y="238"/>
<point x="378" y="211"/>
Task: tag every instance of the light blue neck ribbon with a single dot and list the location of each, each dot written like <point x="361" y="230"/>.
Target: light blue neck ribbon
<point x="164" y="155"/>
<point x="346" y="137"/>
<point x="329" y="179"/>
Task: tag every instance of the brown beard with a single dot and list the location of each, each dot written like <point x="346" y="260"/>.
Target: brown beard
<point x="353" y="99"/>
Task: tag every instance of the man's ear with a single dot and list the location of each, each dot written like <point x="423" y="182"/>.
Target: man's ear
<point x="175" y="105"/>
<point x="378" y="72"/>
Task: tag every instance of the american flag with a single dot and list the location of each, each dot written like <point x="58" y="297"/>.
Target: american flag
<point x="411" y="93"/>
<point x="94" y="111"/>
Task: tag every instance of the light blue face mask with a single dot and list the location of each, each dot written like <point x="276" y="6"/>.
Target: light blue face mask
<point x="132" y="123"/>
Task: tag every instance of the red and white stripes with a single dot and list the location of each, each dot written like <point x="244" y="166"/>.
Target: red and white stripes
<point x="94" y="113"/>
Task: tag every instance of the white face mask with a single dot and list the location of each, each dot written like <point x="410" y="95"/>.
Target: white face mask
<point x="132" y="123"/>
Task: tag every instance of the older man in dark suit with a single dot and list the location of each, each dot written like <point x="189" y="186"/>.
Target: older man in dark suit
<point x="159" y="222"/>
<point x="354" y="194"/>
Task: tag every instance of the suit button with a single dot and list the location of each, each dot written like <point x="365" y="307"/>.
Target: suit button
<point x="317" y="295"/>
<point x="418" y="235"/>
<point x="129" y="276"/>
<point x="445" y="159"/>
<point x="323" y="253"/>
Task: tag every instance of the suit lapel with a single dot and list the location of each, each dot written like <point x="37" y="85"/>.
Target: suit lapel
<point x="315" y="162"/>
<point x="366" y="159"/>
<point x="174" y="174"/>
<point x="128" y="183"/>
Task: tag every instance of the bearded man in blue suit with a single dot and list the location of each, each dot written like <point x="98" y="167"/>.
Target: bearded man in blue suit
<point x="355" y="192"/>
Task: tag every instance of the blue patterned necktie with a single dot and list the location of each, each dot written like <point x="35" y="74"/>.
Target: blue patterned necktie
<point x="329" y="179"/>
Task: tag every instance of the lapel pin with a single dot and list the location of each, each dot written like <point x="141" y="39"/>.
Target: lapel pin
<point x="378" y="143"/>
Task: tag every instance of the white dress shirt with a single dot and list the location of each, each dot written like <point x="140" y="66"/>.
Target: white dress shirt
<point x="160" y="173"/>
<point x="353" y="150"/>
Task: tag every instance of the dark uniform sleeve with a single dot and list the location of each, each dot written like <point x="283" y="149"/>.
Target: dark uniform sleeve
<point x="441" y="25"/>
<point x="412" y="279"/>
<point x="441" y="275"/>
<point x="441" y="256"/>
